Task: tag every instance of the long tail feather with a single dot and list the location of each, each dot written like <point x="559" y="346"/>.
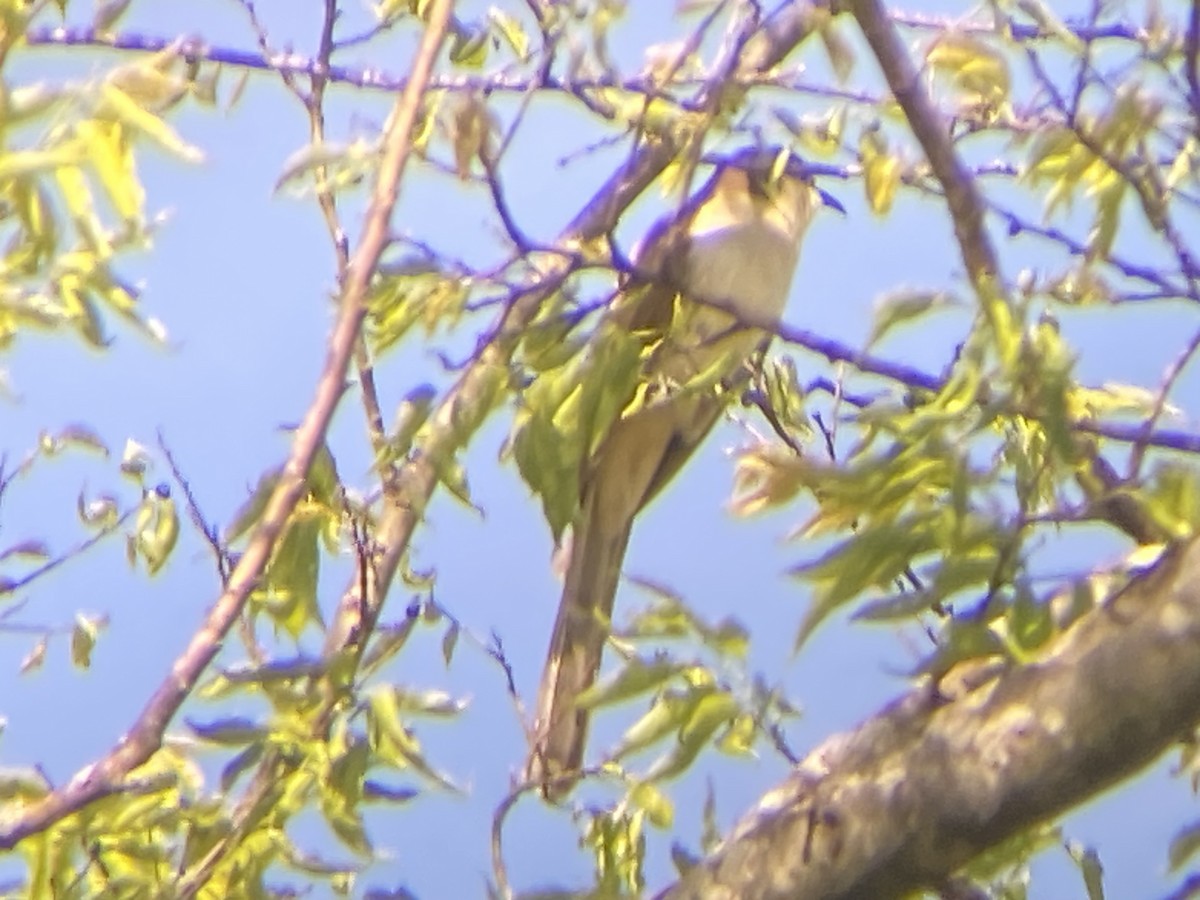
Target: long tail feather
<point x="623" y="475"/>
<point x="576" y="646"/>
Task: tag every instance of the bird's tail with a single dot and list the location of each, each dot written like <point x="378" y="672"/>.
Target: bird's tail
<point x="580" y="630"/>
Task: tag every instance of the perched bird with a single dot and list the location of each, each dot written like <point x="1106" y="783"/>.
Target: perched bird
<point x="704" y="278"/>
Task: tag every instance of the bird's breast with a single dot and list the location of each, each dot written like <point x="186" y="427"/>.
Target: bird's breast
<point x="745" y="269"/>
<point x="735" y="278"/>
<point x="749" y="268"/>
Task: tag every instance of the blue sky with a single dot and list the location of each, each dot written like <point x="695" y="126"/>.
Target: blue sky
<point x="243" y="278"/>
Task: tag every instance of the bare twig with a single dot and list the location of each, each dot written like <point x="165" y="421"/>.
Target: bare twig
<point x="200" y="522"/>
<point x="16" y="584"/>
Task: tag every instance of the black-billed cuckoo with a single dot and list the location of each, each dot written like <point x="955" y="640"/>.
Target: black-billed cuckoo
<point x="705" y="277"/>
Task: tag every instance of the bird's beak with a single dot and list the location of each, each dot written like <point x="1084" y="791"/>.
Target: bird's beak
<point x="831" y="201"/>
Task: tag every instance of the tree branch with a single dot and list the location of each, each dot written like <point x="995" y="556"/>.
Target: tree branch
<point x="962" y="195"/>
<point x="937" y="777"/>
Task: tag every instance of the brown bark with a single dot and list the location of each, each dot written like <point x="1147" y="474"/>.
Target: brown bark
<point x="931" y="781"/>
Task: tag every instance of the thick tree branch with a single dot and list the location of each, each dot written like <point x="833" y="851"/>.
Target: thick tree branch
<point x="938" y="777"/>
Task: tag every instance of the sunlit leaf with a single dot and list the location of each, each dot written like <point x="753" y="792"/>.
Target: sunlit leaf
<point x="665" y="716"/>
<point x="469" y="48"/>
<point x="738" y="739"/>
<point x="122" y="108"/>
<point x="713" y="711"/>
<point x="976" y="68"/>
<point x="881" y="170"/>
<point x="657" y="805"/>
<point x="83" y="639"/>
<point x="1090" y="868"/>
<point x="510" y="29"/>
<point x="18" y="783"/>
<point x="636" y="677"/>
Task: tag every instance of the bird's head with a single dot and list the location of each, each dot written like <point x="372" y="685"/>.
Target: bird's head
<point x="769" y="184"/>
<point x="765" y="170"/>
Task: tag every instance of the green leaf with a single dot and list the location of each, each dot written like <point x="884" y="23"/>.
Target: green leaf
<point x="729" y="638"/>
<point x="119" y="106"/>
<point x="469" y="48"/>
<point x="449" y="642"/>
<point x="1172" y="497"/>
<point x="19" y="164"/>
<point x="231" y="731"/>
<point x="388" y="641"/>
<point x="1184" y="844"/>
<point x="657" y="806"/>
<point x="254" y="506"/>
<point x="510" y="29"/>
<point x="22" y="784"/>
<point x="323" y="480"/>
<point x="875" y="556"/>
<point x="666" y="716"/>
<point x="157" y="529"/>
<point x="566" y="412"/>
<point x="738" y="739"/>
<point x="347" y="824"/>
<point x="392" y="742"/>
<point x="635" y="678"/>
<point x="714" y="710"/>
<point x="1029" y="622"/>
<point x="83" y="639"/>
<point x="32" y="550"/>
<point x="289" y="586"/>
<point x="881" y="172"/>
<point x="343" y="166"/>
<point x="79" y="435"/>
<point x="110" y="154"/>
<point x="960" y="570"/>
<point x="1090" y="868"/>
<point x="438" y="704"/>
<point x="964" y="640"/>
<point x="976" y="68"/>
<point x="411" y="414"/>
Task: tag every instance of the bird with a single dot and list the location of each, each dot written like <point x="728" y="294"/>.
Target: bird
<point x="706" y="286"/>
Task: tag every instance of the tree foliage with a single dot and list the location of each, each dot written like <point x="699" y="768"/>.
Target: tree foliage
<point x="927" y="497"/>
